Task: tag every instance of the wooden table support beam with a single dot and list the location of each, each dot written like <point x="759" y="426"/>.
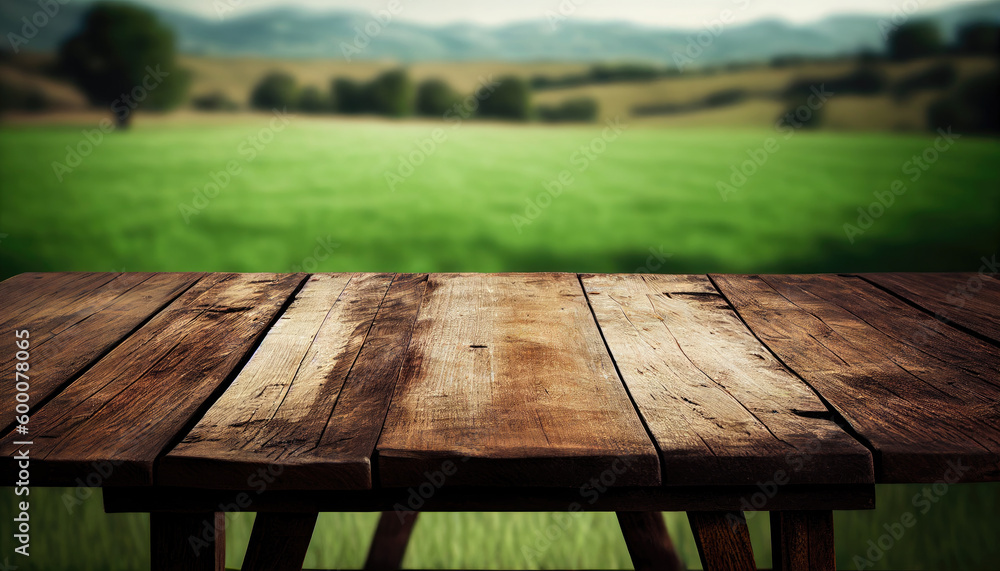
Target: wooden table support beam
<point x="392" y="535"/>
<point x="187" y="541"/>
<point x="279" y="542"/>
<point x="802" y="541"/>
<point x="648" y="541"/>
<point x="723" y="541"/>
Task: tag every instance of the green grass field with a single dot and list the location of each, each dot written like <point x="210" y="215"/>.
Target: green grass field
<point x="316" y="198"/>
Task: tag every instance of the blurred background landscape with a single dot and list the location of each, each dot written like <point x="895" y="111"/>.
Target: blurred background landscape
<point x="564" y="135"/>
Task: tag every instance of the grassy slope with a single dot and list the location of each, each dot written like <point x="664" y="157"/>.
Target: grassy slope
<point x="650" y="189"/>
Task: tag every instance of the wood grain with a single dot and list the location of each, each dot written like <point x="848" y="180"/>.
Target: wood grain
<point x="970" y="300"/>
<point x="928" y="407"/>
<point x="507" y="382"/>
<point x="84" y="317"/>
<point x="392" y="535"/>
<point x="723" y="541"/>
<point x="279" y="542"/>
<point x="648" y="542"/>
<point x="721" y="408"/>
<point x="285" y="412"/>
<point x="802" y="541"/>
<point x="136" y="400"/>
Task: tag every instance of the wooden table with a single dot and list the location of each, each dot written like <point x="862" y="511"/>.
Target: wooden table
<point x="190" y="395"/>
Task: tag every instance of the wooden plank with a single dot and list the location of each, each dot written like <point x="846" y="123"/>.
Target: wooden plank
<point x="392" y="535"/>
<point x="802" y="541"/>
<point x="507" y="382"/>
<point x="279" y="542"/>
<point x="721" y="408"/>
<point x="136" y="400"/>
<point x="969" y="300"/>
<point x="928" y="408"/>
<point x="309" y="405"/>
<point x="648" y="542"/>
<point x="187" y="541"/>
<point x="21" y="294"/>
<point x="723" y="541"/>
<point x="73" y="327"/>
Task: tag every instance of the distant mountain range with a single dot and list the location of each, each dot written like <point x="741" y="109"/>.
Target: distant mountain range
<point x="297" y="33"/>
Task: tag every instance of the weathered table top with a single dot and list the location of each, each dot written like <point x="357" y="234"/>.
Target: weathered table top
<point x="356" y="381"/>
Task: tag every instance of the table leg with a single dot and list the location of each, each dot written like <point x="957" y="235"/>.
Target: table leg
<point x="802" y="540"/>
<point x="648" y="541"/>
<point x="279" y="541"/>
<point x="187" y="541"/>
<point x="723" y="541"/>
<point x="389" y="543"/>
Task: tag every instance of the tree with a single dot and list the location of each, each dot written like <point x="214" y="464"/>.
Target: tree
<point x="979" y="38"/>
<point x="126" y="59"/>
<point x="510" y="100"/>
<point x="971" y="109"/>
<point x="581" y="109"/>
<point x="390" y="94"/>
<point x="435" y="98"/>
<point x="312" y="100"/>
<point x="349" y="96"/>
<point x="277" y="90"/>
<point x="915" y="40"/>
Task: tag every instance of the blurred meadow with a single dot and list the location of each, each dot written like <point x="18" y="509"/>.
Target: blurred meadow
<point x="292" y="139"/>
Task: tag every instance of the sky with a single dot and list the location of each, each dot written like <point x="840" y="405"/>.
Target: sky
<point x="659" y="13"/>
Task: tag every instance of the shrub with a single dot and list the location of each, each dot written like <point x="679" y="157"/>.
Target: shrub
<point x="511" y="100"/>
<point x="915" y="40"/>
<point x="349" y="96"/>
<point x="312" y="100"/>
<point x="215" y="101"/>
<point x="940" y="76"/>
<point x="581" y="109"/>
<point x="390" y="94"/>
<point x="724" y="98"/>
<point x="863" y="81"/>
<point x="276" y="90"/>
<point x="435" y="98"/>
<point x="979" y="38"/>
<point x="972" y="109"/>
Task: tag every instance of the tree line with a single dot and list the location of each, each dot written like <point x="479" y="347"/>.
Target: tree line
<point x="394" y="94"/>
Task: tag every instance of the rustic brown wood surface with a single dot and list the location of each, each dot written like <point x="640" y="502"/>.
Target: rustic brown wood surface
<point x="517" y="380"/>
<point x="84" y="317"/>
<point x="507" y="382"/>
<point x="129" y="407"/>
<point x="971" y="301"/>
<point x="274" y="415"/>
<point x="929" y="407"/>
<point x="802" y="541"/>
<point x="721" y="408"/>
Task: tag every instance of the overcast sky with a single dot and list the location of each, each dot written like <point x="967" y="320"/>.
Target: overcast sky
<point x="688" y="14"/>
